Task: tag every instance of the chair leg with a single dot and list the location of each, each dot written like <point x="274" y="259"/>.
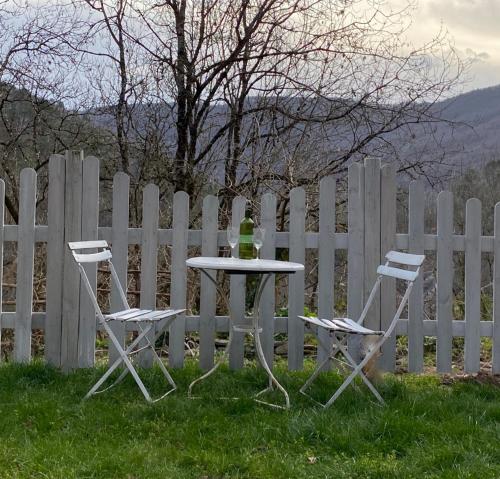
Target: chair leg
<point x="354" y="373"/>
<point x="368" y="383"/>
<point x="94" y="389"/>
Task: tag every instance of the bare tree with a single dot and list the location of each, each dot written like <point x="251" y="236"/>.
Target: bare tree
<point x="253" y="93"/>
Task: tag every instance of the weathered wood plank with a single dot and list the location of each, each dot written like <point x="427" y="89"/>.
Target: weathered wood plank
<point x="237" y="291"/>
<point x="71" y="281"/>
<point x="149" y="256"/>
<point x="326" y="260"/>
<point x="387" y="361"/>
<point x="25" y="264"/>
<point x="416" y="300"/>
<point x="444" y="294"/>
<point x="90" y="224"/>
<point x="472" y="285"/>
<point x="119" y="244"/>
<point x="55" y="259"/>
<point x="2" y="220"/>
<point x="268" y="251"/>
<point x="180" y="225"/>
<point x="296" y="281"/>
<point x="208" y="293"/>
<point x="372" y="238"/>
<point x="355" y="248"/>
<point x="496" y="294"/>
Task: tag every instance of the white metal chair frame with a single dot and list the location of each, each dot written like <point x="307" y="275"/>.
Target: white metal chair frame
<point x="146" y="320"/>
<point x="341" y="328"/>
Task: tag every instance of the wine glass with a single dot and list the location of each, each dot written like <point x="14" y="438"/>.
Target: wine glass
<point x="258" y="239"/>
<point x="233" y="236"/>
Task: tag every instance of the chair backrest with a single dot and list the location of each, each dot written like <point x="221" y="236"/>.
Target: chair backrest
<point x="392" y="268"/>
<point x="412" y="261"/>
<point x="95" y="257"/>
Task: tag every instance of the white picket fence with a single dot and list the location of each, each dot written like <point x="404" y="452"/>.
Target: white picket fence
<point x="73" y="210"/>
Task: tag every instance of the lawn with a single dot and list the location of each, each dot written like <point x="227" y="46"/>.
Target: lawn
<point x="429" y="429"/>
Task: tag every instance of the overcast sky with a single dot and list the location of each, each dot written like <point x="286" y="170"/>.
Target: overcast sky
<point x="474" y="25"/>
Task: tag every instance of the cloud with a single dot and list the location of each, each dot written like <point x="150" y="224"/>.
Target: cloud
<point x="480" y="17"/>
<point x="477" y="56"/>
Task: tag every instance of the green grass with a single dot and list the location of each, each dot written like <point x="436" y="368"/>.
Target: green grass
<point x="427" y="430"/>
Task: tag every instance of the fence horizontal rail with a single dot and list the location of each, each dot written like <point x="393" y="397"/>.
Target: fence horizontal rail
<point x="282" y="238"/>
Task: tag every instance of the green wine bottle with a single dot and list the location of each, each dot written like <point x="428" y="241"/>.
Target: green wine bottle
<point x="246" y="235"/>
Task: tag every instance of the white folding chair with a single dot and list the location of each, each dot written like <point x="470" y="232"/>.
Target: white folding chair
<point x="341" y="328"/>
<point x="146" y="319"/>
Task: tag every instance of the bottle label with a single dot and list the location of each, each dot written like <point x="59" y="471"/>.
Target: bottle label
<point x="245" y="239"/>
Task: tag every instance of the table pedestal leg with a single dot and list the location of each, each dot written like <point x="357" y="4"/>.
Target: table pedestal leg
<point x="273" y="382"/>
<point x="260" y="352"/>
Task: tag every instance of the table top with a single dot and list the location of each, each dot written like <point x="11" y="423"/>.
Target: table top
<point x="244" y="266"/>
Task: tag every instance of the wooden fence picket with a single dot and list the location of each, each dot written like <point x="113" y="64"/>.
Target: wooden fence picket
<point x="149" y="258"/>
<point x="55" y="259"/>
<point x="90" y="225"/>
<point x="372" y="238"/>
<point x="472" y="285"/>
<point x="416" y="300"/>
<point x="444" y="293"/>
<point x="326" y="261"/>
<point x="208" y="293"/>
<point x="296" y="281"/>
<point x="387" y="361"/>
<point x="267" y="302"/>
<point x="25" y="264"/>
<point x="355" y="246"/>
<point x="237" y="294"/>
<point x="180" y="225"/>
<point x="2" y="220"/>
<point x="119" y="244"/>
<point x="496" y="293"/>
<point x="71" y="276"/>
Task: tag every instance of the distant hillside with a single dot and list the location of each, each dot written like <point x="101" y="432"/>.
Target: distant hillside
<point x="469" y="137"/>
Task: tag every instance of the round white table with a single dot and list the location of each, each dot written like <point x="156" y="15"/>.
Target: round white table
<point x="265" y="268"/>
